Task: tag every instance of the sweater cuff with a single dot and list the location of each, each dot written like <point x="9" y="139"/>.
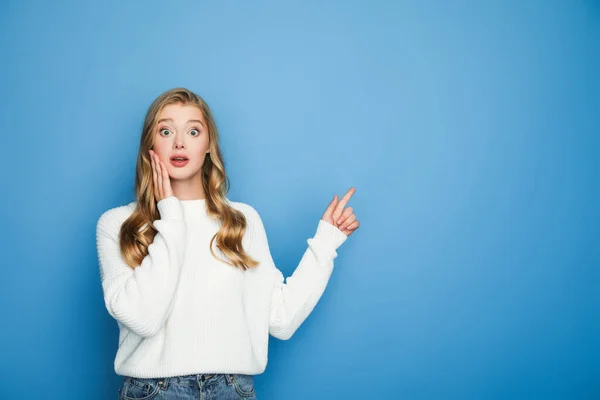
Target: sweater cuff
<point x="328" y="235"/>
<point x="170" y="208"/>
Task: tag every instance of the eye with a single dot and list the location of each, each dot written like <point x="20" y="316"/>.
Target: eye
<point x="195" y="130"/>
<point x="162" y="130"/>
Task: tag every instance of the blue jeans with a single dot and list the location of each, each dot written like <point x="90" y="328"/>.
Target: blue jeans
<point x="188" y="387"/>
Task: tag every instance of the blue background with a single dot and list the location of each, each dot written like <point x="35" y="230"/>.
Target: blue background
<point x="471" y="134"/>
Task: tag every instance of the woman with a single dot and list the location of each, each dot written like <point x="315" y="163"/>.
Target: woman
<point x="188" y="274"/>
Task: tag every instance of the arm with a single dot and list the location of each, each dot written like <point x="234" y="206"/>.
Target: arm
<point x="142" y="299"/>
<point x="292" y="302"/>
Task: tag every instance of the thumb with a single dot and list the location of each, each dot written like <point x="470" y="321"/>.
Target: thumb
<point x="329" y="211"/>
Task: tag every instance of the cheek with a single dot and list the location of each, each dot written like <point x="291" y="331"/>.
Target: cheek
<point x="197" y="163"/>
<point x="162" y="152"/>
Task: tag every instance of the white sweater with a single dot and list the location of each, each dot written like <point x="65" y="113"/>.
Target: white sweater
<point x="183" y="312"/>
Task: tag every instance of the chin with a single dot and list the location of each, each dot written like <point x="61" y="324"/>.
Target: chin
<point x="183" y="173"/>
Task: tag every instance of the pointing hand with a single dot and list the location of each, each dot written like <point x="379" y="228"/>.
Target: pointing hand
<point x="343" y="219"/>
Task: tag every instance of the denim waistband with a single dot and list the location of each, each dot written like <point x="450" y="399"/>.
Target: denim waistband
<point x="193" y="379"/>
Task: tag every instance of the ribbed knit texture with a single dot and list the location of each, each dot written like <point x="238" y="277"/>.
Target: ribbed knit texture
<point x="184" y="312"/>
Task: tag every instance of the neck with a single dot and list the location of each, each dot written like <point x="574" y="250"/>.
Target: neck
<point x="188" y="189"/>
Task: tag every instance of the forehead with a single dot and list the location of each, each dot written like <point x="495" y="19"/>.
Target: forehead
<point x="181" y="113"/>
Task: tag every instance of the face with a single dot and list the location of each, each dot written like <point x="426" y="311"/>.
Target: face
<point x="181" y="130"/>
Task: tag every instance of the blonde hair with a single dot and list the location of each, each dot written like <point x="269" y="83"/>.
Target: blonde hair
<point x="137" y="232"/>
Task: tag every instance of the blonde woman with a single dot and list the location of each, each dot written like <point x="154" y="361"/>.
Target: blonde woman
<point x="188" y="274"/>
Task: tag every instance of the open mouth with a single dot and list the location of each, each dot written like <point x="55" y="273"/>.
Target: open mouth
<point x="179" y="161"/>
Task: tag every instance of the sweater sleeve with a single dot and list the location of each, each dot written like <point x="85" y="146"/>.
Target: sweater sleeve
<point x="292" y="301"/>
<point x="141" y="299"/>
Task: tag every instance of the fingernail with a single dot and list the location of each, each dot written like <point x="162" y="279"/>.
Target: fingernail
<point x="339" y="221"/>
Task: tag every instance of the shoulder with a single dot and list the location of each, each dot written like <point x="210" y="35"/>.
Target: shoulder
<point x="110" y="221"/>
<point x="255" y="235"/>
<point x="253" y="218"/>
<point x="245" y="208"/>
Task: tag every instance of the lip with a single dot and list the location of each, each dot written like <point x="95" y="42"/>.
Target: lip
<point x="179" y="163"/>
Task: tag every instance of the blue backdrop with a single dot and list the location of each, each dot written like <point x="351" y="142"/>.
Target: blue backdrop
<point x="470" y="131"/>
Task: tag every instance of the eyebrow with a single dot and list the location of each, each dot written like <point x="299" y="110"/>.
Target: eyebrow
<point x="171" y="119"/>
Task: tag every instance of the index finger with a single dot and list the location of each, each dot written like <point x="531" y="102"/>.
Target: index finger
<point x="342" y="203"/>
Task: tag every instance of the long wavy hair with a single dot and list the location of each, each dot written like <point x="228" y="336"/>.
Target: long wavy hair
<point x="137" y="232"/>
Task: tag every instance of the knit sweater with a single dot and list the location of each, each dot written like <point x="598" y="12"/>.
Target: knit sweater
<point x="181" y="311"/>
